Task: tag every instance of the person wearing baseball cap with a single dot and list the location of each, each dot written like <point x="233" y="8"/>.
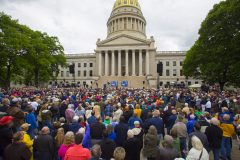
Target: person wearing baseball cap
<point x="6" y="133"/>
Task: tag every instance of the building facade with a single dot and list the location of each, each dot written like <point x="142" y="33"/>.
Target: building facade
<point x="126" y="55"/>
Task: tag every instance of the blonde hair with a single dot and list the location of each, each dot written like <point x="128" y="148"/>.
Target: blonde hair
<point x="69" y="138"/>
<point x="196" y="143"/>
<point x="59" y="138"/>
<point x="119" y="153"/>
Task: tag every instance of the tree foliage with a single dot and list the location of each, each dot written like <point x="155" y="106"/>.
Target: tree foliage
<point x="27" y="55"/>
<point x="215" y="56"/>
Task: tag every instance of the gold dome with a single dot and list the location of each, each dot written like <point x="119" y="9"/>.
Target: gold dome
<point x="123" y="3"/>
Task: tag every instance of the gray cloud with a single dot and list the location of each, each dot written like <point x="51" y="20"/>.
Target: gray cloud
<point x="79" y="23"/>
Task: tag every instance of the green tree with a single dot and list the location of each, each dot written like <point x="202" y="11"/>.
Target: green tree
<point x="27" y="55"/>
<point x="215" y="56"/>
<point x="13" y="42"/>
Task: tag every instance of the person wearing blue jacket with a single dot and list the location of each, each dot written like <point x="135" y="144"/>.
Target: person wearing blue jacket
<point x="190" y="124"/>
<point x="31" y="119"/>
<point x="157" y="122"/>
<point x="133" y="119"/>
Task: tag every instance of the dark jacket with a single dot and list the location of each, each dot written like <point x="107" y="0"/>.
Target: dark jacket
<point x="74" y="127"/>
<point x="107" y="147"/>
<point x="132" y="152"/>
<point x="6" y="135"/>
<point x="17" y="151"/>
<point x="44" y="145"/>
<point x="96" y="130"/>
<point x="201" y="136"/>
<point x="214" y="135"/>
<point x="158" y="123"/>
<point x="150" y="148"/>
<point x="121" y="132"/>
<point x="167" y="154"/>
<point x="127" y="115"/>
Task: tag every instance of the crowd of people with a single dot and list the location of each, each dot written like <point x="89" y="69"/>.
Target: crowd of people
<point x="120" y="124"/>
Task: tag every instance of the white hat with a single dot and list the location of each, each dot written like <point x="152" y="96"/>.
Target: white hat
<point x="75" y="118"/>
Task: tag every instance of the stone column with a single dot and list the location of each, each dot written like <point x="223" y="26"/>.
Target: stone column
<point x="133" y="63"/>
<point x="119" y="63"/>
<point x="147" y="62"/>
<point x="126" y="66"/>
<point x="113" y="63"/>
<point x="106" y="64"/>
<point x="140" y="63"/>
<point x="100" y="64"/>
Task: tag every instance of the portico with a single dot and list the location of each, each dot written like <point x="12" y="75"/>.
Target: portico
<point x="128" y="62"/>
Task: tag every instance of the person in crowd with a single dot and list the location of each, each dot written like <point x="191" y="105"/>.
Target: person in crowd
<point x="5" y="105"/>
<point x="6" y="133"/>
<point x="151" y="143"/>
<point x="138" y="134"/>
<point x="74" y="126"/>
<point x="121" y="132"/>
<point x="59" y="138"/>
<point x="228" y="132"/>
<point x="111" y="133"/>
<point x="118" y="113"/>
<point x="157" y="122"/>
<point x="176" y="140"/>
<point x="44" y="145"/>
<point x="132" y="152"/>
<point x="138" y="110"/>
<point x="46" y="115"/>
<point x="64" y="125"/>
<point x="80" y="111"/>
<point x="18" y="115"/>
<point x="197" y="151"/>
<point x="68" y="142"/>
<point x="77" y="152"/>
<point x="96" y="131"/>
<point x="92" y="119"/>
<point x="214" y="135"/>
<point x="119" y="153"/>
<point x="181" y="129"/>
<point x="197" y="132"/>
<point x="133" y="119"/>
<point x="171" y="120"/>
<point x="167" y="152"/>
<point x="127" y="113"/>
<point x="31" y="119"/>
<point x="107" y="146"/>
<point x="96" y="152"/>
<point x="26" y="137"/>
<point x="69" y="113"/>
<point x="17" y="150"/>
<point x="190" y="124"/>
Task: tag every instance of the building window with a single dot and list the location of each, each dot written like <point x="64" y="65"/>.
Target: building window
<point x="91" y="73"/>
<point x="181" y="72"/>
<point x="67" y="74"/>
<point x="91" y="64"/>
<point x="181" y="63"/>
<point x="174" y="63"/>
<point x="167" y="72"/>
<point x="79" y="73"/>
<point x="174" y="72"/>
<point x="79" y="64"/>
<point x="189" y="83"/>
<point x="167" y="63"/>
<point x="62" y="74"/>
<point x="196" y="82"/>
<point x="85" y="74"/>
<point x="85" y="64"/>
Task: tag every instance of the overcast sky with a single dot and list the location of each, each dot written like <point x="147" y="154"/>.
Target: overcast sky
<point x="79" y="23"/>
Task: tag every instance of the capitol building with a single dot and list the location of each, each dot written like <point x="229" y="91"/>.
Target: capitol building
<point x="126" y="55"/>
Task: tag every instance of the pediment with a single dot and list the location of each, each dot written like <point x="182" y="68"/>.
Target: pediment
<point x="123" y="40"/>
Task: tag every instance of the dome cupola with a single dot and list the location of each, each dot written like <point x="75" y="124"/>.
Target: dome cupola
<point x="126" y="18"/>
